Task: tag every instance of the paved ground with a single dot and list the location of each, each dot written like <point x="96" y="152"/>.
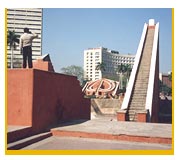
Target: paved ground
<point x="113" y="127"/>
<point x="74" y="143"/>
<point x="106" y="125"/>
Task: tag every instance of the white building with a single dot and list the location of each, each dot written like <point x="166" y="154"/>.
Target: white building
<point x="17" y="20"/>
<point x="110" y="58"/>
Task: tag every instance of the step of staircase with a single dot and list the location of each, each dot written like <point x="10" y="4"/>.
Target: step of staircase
<point x="139" y="96"/>
<point x="28" y="141"/>
<point x="138" y="107"/>
<point x="18" y="132"/>
<point x="134" y="106"/>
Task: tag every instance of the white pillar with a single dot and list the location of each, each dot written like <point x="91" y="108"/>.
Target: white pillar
<point x="151" y="22"/>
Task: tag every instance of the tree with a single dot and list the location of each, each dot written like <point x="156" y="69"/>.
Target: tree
<point x="12" y="40"/>
<point x="101" y="66"/>
<point x="163" y="88"/>
<point x="121" y="69"/>
<point x="125" y="71"/>
<point x="170" y="76"/>
<point x="74" y="71"/>
<point x="128" y="69"/>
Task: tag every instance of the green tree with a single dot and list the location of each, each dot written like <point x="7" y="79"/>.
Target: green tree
<point x="101" y="67"/>
<point x="128" y="69"/>
<point x="125" y="71"/>
<point x="121" y="70"/>
<point x="164" y="89"/>
<point x="170" y="76"/>
<point x="12" y="40"/>
<point x="74" y="71"/>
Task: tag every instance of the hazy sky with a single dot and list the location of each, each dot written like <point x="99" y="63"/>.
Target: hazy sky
<point x="68" y="32"/>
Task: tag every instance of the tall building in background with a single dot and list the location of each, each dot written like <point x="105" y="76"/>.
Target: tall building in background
<point x="111" y="58"/>
<point x="17" y="20"/>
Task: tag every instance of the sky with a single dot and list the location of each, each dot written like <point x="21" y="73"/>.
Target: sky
<point x="67" y="32"/>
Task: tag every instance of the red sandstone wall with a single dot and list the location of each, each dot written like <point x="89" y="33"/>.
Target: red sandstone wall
<point x="43" y="65"/>
<point x="19" y="96"/>
<point x="55" y="97"/>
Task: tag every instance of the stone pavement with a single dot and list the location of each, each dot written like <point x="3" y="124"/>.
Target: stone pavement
<point x="107" y="134"/>
<point x="76" y="143"/>
<point x="113" y="127"/>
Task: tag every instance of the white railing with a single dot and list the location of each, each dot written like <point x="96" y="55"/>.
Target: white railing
<point x="134" y="70"/>
<point x="149" y="97"/>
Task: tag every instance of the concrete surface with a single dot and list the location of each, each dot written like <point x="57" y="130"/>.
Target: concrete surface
<point x="113" y="127"/>
<point x="105" y="126"/>
<point x="74" y="143"/>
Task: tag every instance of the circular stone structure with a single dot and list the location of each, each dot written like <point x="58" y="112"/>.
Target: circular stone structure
<point x="101" y="88"/>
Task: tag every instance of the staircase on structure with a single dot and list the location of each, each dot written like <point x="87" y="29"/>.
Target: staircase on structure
<point x="138" y="98"/>
<point x="139" y="92"/>
<point x="141" y="101"/>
